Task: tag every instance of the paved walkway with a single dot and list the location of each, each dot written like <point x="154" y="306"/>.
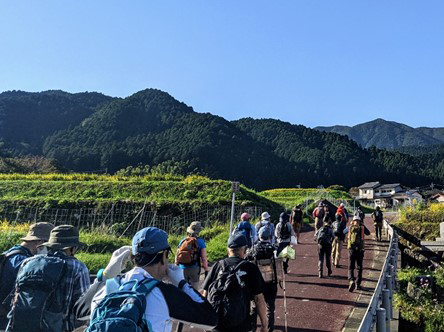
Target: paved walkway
<point x="315" y="304"/>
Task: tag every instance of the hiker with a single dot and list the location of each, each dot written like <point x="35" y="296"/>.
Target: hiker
<point x="297" y="220"/>
<point x="324" y="237"/>
<point x="230" y="287"/>
<point x="356" y="234"/>
<point x="342" y="212"/>
<point x="191" y="253"/>
<point x="52" y="283"/>
<point x="263" y="255"/>
<point x="318" y="215"/>
<point x="246" y="228"/>
<point x="338" y="230"/>
<point x="265" y="222"/>
<point x="378" y="218"/>
<point x="360" y="213"/>
<point x="161" y="302"/>
<point x="328" y="217"/>
<point x="11" y="260"/>
<point x="284" y="231"/>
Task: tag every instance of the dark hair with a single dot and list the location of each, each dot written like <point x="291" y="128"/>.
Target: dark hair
<point x="142" y="259"/>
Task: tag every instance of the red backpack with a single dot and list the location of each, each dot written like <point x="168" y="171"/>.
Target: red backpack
<point x="188" y="252"/>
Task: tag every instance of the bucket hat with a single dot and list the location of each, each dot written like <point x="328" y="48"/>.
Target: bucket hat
<point x="265" y="216"/>
<point x="63" y="237"/>
<point x="195" y="227"/>
<point x="39" y="232"/>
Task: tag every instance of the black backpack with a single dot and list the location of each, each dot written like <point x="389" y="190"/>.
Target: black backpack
<point x="227" y="297"/>
<point x="324" y="237"/>
<point x="285" y="232"/>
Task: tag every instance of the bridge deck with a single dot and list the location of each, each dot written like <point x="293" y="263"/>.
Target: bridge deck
<point x="315" y="304"/>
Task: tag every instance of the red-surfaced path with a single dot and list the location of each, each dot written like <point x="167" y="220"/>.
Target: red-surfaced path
<point x="315" y="304"/>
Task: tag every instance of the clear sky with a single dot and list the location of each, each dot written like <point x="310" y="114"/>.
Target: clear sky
<point x="311" y="62"/>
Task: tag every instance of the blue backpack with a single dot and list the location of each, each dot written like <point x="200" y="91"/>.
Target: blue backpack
<point x="38" y="304"/>
<point x="245" y="228"/>
<point x="124" y="310"/>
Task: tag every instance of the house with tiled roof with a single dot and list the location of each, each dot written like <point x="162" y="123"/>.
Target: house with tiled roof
<point x="387" y="195"/>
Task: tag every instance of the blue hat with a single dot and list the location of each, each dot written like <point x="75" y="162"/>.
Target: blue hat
<point x="265" y="233"/>
<point x="150" y="240"/>
<point x="237" y="240"/>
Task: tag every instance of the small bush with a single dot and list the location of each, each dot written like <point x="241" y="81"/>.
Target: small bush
<point x="100" y="243"/>
<point x="217" y="247"/>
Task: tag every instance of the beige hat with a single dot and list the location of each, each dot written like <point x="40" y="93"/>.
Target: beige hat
<point x="194" y="228"/>
<point x="64" y="237"/>
<point x="39" y="232"/>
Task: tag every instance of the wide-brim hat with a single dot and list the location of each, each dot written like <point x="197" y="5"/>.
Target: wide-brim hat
<point x="195" y="227"/>
<point x="64" y="237"/>
<point x="39" y="232"/>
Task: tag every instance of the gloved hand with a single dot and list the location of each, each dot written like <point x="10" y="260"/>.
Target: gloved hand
<point x="175" y="274"/>
<point x="117" y="262"/>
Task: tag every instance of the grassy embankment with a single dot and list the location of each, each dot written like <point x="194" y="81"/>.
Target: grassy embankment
<point x="100" y="245"/>
<point x="426" y="310"/>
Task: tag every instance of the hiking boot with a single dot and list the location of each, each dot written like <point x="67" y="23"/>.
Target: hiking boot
<point x="358" y="287"/>
<point x="320" y="275"/>
<point x="352" y="286"/>
<point x="329" y="273"/>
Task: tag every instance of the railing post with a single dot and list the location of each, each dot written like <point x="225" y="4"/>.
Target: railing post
<point x="381" y="325"/>
<point x="389" y="286"/>
<point x="387" y="304"/>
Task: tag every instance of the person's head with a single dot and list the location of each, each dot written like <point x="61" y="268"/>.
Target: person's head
<point x="194" y="229"/>
<point x="284" y="217"/>
<point x="64" y="238"/>
<point x="298" y="207"/>
<point x="356" y="220"/>
<point x="265" y="216"/>
<point x="342" y="205"/>
<point x="265" y="234"/>
<point x="321" y="205"/>
<point x="150" y="249"/>
<point x="338" y="217"/>
<point x="378" y="208"/>
<point x="237" y="245"/>
<point x="245" y="216"/>
<point x="37" y="235"/>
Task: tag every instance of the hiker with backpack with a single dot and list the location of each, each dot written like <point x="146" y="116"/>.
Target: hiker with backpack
<point x="141" y="299"/>
<point x="246" y="228"/>
<point x="297" y="220"/>
<point x="47" y="286"/>
<point x="324" y="237"/>
<point x="191" y="252"/>
<point x="338" y="230"/>
<point x="378" y="218"/>
<point x="284" y="231"/>
<point x="359" y="213"/>
<point x="11" y="260"/>
<point x="263" y="255"/>
<point x="230" y="287"/>
<point x="265" y="222"/>
<point x="342" y="212"/>
<point x="318" y="215"/>
<point x="356" y="235"/>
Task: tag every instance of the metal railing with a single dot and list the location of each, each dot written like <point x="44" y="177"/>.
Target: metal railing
<point x="380" y="311"/>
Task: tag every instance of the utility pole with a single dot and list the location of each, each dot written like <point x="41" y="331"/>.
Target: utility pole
<point x="234" y="188"/>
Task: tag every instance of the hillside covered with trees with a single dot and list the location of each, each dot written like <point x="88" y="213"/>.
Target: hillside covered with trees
<point x="87" y="132"/>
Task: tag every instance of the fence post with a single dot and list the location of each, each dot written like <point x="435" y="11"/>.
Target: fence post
<point x="380" y="320"/>
<point x="389" y="286"/>
<point x="386" y="304"/>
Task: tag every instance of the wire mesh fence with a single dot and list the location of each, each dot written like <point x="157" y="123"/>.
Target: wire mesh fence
<point x="126" y="219"/>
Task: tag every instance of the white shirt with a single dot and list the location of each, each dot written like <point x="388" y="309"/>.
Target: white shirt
<point x="158" y="314"/>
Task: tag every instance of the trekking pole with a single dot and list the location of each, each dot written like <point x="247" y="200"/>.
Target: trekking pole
<point x="285" y="304"/>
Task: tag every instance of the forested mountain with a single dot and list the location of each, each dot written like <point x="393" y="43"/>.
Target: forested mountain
<point x="26" y="118"/>
<point x="89" y="132"/>
<point x="389" y="134"/>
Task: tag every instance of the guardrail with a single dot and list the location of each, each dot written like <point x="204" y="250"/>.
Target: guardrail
<point x="380" y="310"/>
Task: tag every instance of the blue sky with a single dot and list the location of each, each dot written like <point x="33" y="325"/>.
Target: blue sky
<point x="309" y="62"/>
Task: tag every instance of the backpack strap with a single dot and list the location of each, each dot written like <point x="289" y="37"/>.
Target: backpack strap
<point x="145" y="286"/>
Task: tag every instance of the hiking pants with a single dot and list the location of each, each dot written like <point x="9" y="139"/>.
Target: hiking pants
<point x="318" y="223"/>
<point x="270" y="293"/>
<point x="336" y="251"/>
<point x="378" y="230"/>
<point x="355" y="257"/>
<point x="281" y="247"/>
<point x="324" y="250"/>
<point x="191" y="275"/>
<point x="297" y="226"/>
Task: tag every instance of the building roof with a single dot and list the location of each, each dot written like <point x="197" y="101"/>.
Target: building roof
<point x="387" y="186"/>
<point x="370" y="185"/>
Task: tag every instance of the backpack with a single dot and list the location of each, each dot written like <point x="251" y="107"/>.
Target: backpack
<point x="378" y="216"/>
<point x="285" y="232"/>
<point x="336" y="227"/>
<point x="188" y="252"/>
<point x="227" y="297"/>
<point x="356" y="237"/>
<point x="265" y="261"/>
<point x="245" y="228"/>
<point x="124" y="310"/>
<point x="320" y="212"/>
<point x="38" y="304"/>
<point x="324" y="236"/>
<point x="266" y="224"/>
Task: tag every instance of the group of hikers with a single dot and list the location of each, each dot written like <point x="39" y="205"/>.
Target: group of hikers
<point x="45" y="288"/>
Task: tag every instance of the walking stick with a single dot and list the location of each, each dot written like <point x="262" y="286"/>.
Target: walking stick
<point x="285" y="303"/>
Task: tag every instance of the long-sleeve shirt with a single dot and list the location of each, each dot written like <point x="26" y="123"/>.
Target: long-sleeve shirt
<point x="277" y="233"/>
<point x="167" y="302"/>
